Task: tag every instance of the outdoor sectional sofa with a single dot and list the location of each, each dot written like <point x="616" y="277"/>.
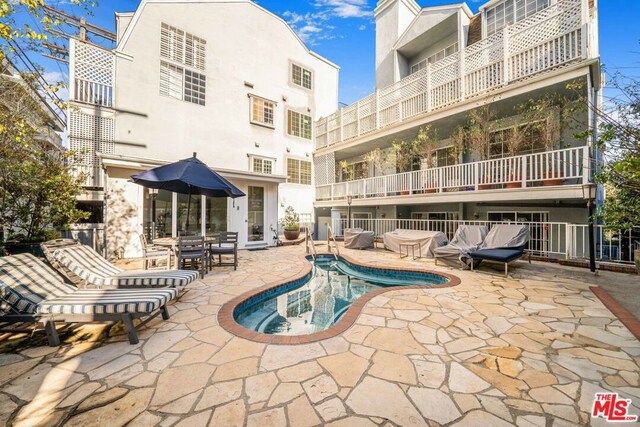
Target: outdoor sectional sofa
<point x="84" y="266"/>
<point x="30" y="291"/>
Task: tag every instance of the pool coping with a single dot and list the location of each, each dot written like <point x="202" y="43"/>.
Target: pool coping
<point x="228" y="323"/>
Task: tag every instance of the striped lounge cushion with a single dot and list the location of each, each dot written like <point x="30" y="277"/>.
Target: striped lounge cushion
<point x="159" y="278"/>
<point x="25" y="281"/>
<point x="97" y="271"/>
<point x="108" y="301"/>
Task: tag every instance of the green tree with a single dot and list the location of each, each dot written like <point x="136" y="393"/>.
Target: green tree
<point x="619" y="142"/>
<point x="38" y="186"/>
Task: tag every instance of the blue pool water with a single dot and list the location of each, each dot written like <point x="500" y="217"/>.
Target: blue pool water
<point x="318" y="300"/>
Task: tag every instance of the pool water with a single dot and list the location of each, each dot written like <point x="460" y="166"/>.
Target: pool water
<point x="320" y="299"/>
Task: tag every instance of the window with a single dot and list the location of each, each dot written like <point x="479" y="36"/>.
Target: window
<point x="533" y="143"/>
<point x="299" y="171"/>
<point x="353" y="171"/>
<point x="443" y="157"/>
<point x="512" y="11"/>
<point x="299" y="125"/>
<point x="262" y="111"/>
<point x="448" y="51"/>
<point x="184" y="57"/>
<point x="301" y="76"/>
<point x="261" y="164"/>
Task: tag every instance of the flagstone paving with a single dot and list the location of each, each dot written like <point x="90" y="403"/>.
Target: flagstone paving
<point x="528" y="350"/>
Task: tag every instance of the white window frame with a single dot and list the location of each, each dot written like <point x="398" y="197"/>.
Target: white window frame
<point x="299" y="160"/>
<point x="301" y="134"/>
<point x="252" y="118"/>
<point x="302" y="76"/>
<point x="262" y="159"/>
<point x="433" y="58"/>
<point x="519" y="11"/>
<point x="190" y="62"/>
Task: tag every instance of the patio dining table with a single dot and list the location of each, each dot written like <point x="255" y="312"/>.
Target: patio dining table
<point x="172" y="242"/>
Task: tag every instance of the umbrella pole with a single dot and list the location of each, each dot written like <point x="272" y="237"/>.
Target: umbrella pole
<point x="188" y="208"/>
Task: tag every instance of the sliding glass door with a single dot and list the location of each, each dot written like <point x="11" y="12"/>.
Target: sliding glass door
<point x="255" y="214"/>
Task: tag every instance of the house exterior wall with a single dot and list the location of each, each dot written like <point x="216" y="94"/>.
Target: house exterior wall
<point x="261" y="51"/>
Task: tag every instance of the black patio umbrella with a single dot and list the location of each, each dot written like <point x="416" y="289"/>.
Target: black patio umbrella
<point x="187" y="176"/>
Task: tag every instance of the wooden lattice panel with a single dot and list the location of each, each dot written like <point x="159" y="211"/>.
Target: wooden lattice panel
<point x="90" y="134"/>
<point x="93" y="64"/>
<point x="325" y="169"/>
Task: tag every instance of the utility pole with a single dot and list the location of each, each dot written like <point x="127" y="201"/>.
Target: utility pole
<point x="84" y="31"/>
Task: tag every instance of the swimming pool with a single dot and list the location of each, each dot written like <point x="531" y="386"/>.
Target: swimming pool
<point x="316" y="301"/>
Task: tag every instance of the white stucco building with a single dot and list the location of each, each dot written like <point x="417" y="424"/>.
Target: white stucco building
<point x="225" y="79"/>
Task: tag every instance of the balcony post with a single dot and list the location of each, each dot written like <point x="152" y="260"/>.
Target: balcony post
<point x="584" y="19"/>
<point x="428" y="93"/>
<point x="523" y="171"/>
<point x="377" y="109"/>
<point x="385" y="185"/>
<point x="463" y="88"/>
<point x="505" y="47"/>
<point x="342" y="125"/>
<point x="411" y="182"/>
<point x="440" y="180"/>
<point x="586" y="165"/>
<point x="476" y="175"/>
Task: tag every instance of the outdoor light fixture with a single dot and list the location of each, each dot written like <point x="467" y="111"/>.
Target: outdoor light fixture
<point x="589" y="192"/>
<point x="288" y="150"/>
<point x="349" y="201"/>
<point x="257" y="144"/>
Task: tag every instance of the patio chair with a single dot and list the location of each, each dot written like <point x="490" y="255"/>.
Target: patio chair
<point x="226" y="243"/>
<point x="467" y="238"/>
<point x="357" y="238"/>
<point x="95" y="270"/>
<point x="31" y="292"/>
<point x="191" y="248"/>
<point x="152" y="253"/>
<point x="505" y="243"/>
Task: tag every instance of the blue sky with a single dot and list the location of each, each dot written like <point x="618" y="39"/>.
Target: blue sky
<point x="344" y="32"/>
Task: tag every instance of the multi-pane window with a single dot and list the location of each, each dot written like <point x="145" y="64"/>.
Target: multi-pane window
<point x="444" y="157"/>
<point x="299" y="124"/>
<point x="533" y="142"/>
<point x="262" y="165"/>
<point x="301" y="76"/>
<point x="511" y="11"/>
<point x="449" y="50"/>
<point x="299" y="171"/>
<point x="183" y="58"/>
<point x="262" y="111"/>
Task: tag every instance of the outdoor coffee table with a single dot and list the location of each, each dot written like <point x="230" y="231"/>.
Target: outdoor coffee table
<point x="413" y="247"/>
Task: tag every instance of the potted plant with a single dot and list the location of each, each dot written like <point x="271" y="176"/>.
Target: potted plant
<point x="405" y="155"/>
<point x="427" y="143"/>
<point x="551" y="133"/>
<point x="515" y="140"/>
<point x="480" y="133"/>
<point x="346" y="173"/>
<point x="290" y="224"/>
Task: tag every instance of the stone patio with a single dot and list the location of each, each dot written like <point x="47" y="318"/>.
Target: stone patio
<point x="529" y="350"/>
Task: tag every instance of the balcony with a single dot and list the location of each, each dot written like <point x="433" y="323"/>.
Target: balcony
<point x="552" y="38"/>
<point x="550" y="169"/>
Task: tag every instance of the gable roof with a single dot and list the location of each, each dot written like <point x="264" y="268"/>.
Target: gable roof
<point x="136" y="16"/>
<point x="413" y="31"/>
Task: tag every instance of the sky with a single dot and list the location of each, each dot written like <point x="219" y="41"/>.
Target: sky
<point x="343" y="31"/>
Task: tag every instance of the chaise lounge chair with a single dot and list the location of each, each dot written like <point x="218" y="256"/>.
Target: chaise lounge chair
<point x="30" y="291"/>
<point x="467" y="238"/>
<point x="504" y="243"/>
<point x="94" y="270"/>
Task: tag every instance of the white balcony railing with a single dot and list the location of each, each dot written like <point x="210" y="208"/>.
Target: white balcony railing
<point x="549" y="168"/>
<point x="549" y="239"/>
<point x="551" y="38"/>
<point x="91" y="73"/>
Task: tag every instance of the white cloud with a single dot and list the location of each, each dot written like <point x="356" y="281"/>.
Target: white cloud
<point x="346" y="8"/>
<point x="312" y="27"/>
<point x="362" y="27"/>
